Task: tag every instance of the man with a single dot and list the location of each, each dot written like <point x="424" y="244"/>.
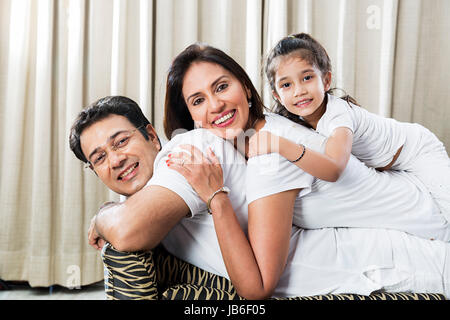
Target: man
<point x="116" y="140"/>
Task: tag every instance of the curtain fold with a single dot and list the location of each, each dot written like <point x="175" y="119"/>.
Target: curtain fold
<point x="146" y="57"/>
<point x="57" y="56"/>
<point x="42" y="187"/>
<point x="387" y="54"/>
<point x="12" y="166"/>
<point x="253" y="42"/>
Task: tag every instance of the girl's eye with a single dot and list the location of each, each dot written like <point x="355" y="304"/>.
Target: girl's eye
<point x="285" y="85"/>
<point x="222" y="87"/>
<point x="307" y="78"/>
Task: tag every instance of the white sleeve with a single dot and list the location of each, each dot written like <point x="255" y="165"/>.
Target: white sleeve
<point x="270" y="174"/>
<point x="170" y="179"/>
<point x="231" y="162"/>
<point x="336" y="116"/>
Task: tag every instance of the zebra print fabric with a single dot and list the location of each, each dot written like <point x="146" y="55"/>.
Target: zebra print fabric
<point x="159" y="275"/>
<point x="129" y="276"/>
<point x="173" y="271"/>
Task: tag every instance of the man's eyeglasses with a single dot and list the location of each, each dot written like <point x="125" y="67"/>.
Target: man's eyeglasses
<point x="99" y="157"/>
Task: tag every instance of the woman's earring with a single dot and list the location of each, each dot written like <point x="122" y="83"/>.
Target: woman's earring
<point x="249" y="104"/>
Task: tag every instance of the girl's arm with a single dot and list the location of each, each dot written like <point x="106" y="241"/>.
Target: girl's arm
<point x="254" y="267"/>
<point x="328" y="166"/>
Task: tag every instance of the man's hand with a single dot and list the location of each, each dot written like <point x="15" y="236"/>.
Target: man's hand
<point x="95" y="240"/>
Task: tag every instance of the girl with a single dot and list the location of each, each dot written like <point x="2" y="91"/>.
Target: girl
<point x="299" y="72"/>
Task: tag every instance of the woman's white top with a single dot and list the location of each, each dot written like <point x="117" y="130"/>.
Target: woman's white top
<point x="321" y="261"/>
<point x="375" y="139"/>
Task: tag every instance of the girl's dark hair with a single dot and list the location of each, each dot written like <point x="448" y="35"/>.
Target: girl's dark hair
<point x="101" y="109"/>
<point x="176" y="113"/>
<point x="310" y="50"/>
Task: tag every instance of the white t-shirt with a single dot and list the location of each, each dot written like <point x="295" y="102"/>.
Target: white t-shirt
<point x="362" y="197"/>
<point x="194" y="239"/>
<point x="319" y="261"/>
<point x="375" y="139"/>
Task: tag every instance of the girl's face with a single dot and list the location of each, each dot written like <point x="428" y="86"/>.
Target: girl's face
<point x="300" y="88"/>
<point x="216" y="99"/>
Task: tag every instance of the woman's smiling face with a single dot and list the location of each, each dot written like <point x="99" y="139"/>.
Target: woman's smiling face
<point x="216" y="99"/>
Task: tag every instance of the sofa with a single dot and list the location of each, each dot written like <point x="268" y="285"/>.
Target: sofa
<point x="158" y="275"/>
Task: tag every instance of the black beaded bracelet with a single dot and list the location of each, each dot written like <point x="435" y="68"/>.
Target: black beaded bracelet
<point x="301" y="156"/>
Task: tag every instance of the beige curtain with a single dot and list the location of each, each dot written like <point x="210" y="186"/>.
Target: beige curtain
<point x="57" y="56"/>
<point x="392" y="55"/>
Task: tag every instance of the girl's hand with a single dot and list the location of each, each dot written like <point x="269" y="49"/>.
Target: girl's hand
<point x="263" y="142"/>
<point x="203" y="173"/>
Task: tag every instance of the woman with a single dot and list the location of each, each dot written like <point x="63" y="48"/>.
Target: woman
<point x="208" y="89"/>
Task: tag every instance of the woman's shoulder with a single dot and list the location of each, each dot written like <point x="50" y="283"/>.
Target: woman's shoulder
<point x="276" y="120"/>
<point x="293" y="131"/>
<point x="204" y="139"/>
<point x="201" y="138"/>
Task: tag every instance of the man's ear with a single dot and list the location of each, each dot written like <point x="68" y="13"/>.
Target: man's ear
<point x="153" y="136"/>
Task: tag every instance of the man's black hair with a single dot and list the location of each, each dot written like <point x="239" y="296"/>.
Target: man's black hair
<point x="101" y="109"/>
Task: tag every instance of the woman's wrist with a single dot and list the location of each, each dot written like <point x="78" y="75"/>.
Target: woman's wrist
<point x="223" y="189"/>
<point x="219" y="203"/>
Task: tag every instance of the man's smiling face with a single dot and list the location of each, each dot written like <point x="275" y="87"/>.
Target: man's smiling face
<point x="119" y="153"/>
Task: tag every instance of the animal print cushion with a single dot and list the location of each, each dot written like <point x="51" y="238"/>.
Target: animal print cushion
<point x="173" y="271"/>
<point x="159" y="275"/>
<point x="193" y="292"/>
<point x="129" y="276"/>
<point x="189" y="291"/>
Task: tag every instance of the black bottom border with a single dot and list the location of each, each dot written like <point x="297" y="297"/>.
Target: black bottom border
<point x="187" y="309"/>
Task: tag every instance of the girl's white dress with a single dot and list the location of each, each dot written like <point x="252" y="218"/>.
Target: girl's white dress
<point x="377" y="139"/>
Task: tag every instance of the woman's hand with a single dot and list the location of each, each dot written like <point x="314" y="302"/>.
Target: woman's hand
<point x="263" y="142"/>
<point x="203" y="173"/>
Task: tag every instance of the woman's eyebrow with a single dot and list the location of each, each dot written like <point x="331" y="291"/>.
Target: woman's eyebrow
<point x="217" y="80"/>
<point x="213" y="84"/>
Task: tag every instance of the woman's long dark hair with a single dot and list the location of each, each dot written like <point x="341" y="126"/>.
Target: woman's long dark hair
<point x="309" y="50"/>
<point x="176" y="113"/>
